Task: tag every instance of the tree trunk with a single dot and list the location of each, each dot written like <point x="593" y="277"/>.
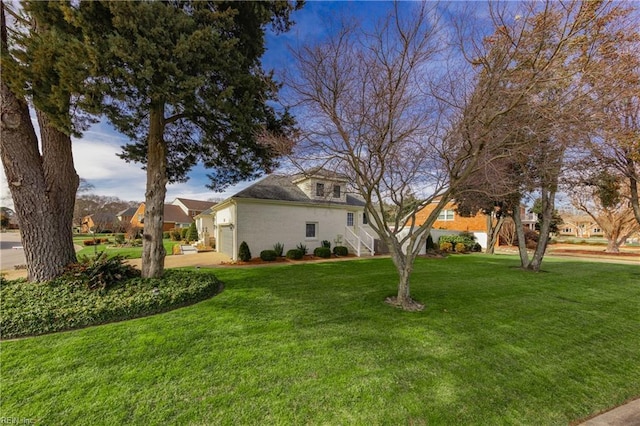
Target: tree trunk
<point x="62" y="184"/>
<point x="613" y="245"/>
<point x="548" y="206"/>
<point x="42" y="188"/>
<point x="493" y="233"/>
<point x="522" y="241"/>
<point x="153" y="252"/>
<point x="404" y="265"/>
<point x="633" y="186"/>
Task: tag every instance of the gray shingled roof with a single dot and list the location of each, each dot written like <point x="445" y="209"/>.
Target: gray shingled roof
<point x="127" y="212"/>
<point x="281" y="188"/>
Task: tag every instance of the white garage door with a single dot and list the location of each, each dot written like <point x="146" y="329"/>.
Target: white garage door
<point x="226" y="241"/>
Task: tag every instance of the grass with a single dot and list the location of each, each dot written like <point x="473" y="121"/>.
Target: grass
<point x="314" y="344"/>
<point x="128" y="252"/>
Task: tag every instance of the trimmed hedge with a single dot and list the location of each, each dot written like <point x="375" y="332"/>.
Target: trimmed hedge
<point x="30" y="309"/>
<point x="268" y="255"/>
<point x="295" y="254"/>
<point x="322" y="252"/>
<point x="340" y="251"/>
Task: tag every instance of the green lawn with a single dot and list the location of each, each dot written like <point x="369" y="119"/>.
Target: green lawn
<point x="314" y="344"/>
<point x="128" y="252"/>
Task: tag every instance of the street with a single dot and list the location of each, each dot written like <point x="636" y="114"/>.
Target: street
<point x="10" y="256"/>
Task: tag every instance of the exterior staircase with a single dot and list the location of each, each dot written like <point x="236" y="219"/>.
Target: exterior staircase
<point x="361" y="242"/>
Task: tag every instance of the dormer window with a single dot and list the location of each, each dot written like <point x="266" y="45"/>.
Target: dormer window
<point x="319" y="189"/>
<point x="336" y="191"/>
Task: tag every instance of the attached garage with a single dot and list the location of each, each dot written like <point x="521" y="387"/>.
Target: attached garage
<point x="226" y="241"/>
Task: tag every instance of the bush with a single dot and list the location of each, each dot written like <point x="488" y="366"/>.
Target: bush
<point x="302" y="248"/>
<point x="461" y="248"/>
<point x="477" y="248"/>
<point x="430" y="244"/>
<point x="322" y="252"/>
<point x="279" y="249"/>
<point x="99" y="273"/>
<point x="268" y="255"/>
<point x="326" y="243"/>
<point x="176" y="235"/>
<point x="91" y="242"/>
<point x="192" y="232"/>
<point x="340" y="251"/>
<point x="30" y="309"/>
<point x="183" y="233"/>
<point x="244" y="254"/>
<point x="166" y="235"/>
<point x="295" y="254"/>
<point x="466" y="238"/>
<point x="446" y="246"/>
<point x="119" y="238"/>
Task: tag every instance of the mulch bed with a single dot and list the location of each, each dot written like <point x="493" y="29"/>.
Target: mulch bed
<point x="281" y="260"/>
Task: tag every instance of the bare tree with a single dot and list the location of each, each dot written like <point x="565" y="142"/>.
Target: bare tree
<point x="607" y="203"/>
<point x="615" y="142"/>
<point x="384" y="107"/>
<point x="553" y="44"/>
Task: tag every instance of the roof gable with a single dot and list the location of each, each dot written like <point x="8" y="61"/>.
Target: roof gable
<point x="175" y="214"/>
<point x="194" y="204"/>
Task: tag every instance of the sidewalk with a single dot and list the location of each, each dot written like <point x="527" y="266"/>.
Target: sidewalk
<point x="624" y="415"/>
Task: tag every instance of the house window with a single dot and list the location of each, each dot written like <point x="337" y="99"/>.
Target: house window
<point x="365" y="219"/>
<point x="336" y="191"/>
<point x="311" y="230"/>
<point x="446" y="215"/>
<point x="349" y="219"/>
<point x="319" y="189"/>
<point x="597" y="230"/>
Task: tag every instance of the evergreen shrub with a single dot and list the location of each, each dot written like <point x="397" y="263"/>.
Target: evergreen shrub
<point x="244" y="254"/>
<point x="324" y="252"/>
<point x="295" y="254"/>
<point x="268" y="255"/>
<point x="340" y="251"/>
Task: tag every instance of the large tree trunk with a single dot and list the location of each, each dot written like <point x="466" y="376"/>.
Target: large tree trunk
<point x="493" y="232"/>
<point x="153" y="252"/>
<point x="404" y="265"/>
<point x="42" y="188"/>
<point x="633" y="186"/>
<point x="62" y="185"/>
<point x="548" y="206"/>
<point x="522" y="241"/>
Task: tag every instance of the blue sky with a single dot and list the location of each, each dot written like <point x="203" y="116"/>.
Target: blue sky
<point x="95" y="154"/>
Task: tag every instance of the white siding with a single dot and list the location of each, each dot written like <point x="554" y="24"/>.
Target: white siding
<point x="262" y="225"/>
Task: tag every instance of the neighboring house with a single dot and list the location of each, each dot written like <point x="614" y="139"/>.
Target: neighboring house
<point x="100" y="222"/>
<point x="126" y="215"/>
<point x="292" y="209"/>
<point x="580" y="225"/>
<point x="192" y="207"/>
<point x="450" y="220"/>
<point x="204" y="225"/>
<point x="178" y="214"/>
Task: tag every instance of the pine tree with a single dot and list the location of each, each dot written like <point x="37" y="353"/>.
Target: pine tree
<point x="183" y="81"/>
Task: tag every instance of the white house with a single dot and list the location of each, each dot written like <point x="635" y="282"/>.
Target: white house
<point x="292" y="209"/>
<point x="204" y="224"/>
